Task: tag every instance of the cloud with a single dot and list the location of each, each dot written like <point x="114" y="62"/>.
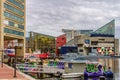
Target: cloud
<point x="50" y="16"/>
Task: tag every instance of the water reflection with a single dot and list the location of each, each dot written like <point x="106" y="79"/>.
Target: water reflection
<point x="116" y="68"/>
<point x="117" y="74"/>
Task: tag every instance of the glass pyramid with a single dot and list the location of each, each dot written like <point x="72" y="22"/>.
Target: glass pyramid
<point x="108" y="30"/>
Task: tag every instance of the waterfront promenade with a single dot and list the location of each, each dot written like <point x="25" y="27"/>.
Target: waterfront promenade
<point x="7" y="73"/>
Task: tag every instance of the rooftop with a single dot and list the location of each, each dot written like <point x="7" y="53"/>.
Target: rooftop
<point x="108" y="30"/>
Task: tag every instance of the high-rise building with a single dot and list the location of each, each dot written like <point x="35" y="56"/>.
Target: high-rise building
<point x="12" y="23"/>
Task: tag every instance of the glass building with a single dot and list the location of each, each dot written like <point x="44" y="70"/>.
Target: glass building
<point x="12" y="23"/>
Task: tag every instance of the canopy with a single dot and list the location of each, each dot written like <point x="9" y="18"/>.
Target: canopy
<point x="43" y="56"/>
<point x="11" y="55"/>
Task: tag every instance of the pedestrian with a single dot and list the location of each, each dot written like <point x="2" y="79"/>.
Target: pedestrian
<point x="85" y="74"/>
<point x="9" y="61"/>
<point x="13" y="61"/>
<point x="109" y="74"/>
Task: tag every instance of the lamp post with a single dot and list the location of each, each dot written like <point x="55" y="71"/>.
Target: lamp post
<point x="2" y="58"/>
<point x="15" y="62"/>
<point x="16" y="47"/>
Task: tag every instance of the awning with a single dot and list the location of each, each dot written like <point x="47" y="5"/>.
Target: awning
<point x="11" y="55"/>
<point x="43" y="56"/>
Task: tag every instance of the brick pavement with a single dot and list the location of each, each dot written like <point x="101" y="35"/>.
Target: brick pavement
<point x="7" y="73"/>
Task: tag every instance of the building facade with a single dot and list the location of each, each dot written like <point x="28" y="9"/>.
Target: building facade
<point x="101" y="45"/>
<point x="12" y="24"/>
<point x="44" y="43"/>
<point x="40" y="42"/>
<point x="71" y="33"/>
<point x="60" y="41"/>
<point x="101" y="41"/>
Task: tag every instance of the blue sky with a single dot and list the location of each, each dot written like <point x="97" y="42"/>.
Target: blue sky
<point x="50" y="16"/>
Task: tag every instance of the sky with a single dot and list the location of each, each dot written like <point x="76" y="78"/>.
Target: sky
<point x="50" y="16"/>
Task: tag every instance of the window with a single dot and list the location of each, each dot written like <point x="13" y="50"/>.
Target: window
<point x="20" y="26"/>
<point x="94" y="42"/>
<point x="13" y="17"/>
<point x="22" y="0"/>
<point x="6" y="30"/>
<point x="80" y="45"/>
<point x="11" y="23"/>
<point x="17" y="3"/>
<point x="81" y="50"/>
<point x="13" y="9"/>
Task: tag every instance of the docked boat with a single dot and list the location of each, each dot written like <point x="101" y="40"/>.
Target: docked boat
<point x="72" y="75"/>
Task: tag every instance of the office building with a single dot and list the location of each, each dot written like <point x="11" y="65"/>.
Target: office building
<point x="12" y="25"/>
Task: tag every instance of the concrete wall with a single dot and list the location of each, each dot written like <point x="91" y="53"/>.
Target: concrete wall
<point x="1" y="26"/>
<point x="100" y="42"/>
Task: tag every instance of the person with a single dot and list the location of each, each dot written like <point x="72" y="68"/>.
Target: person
<point x="109" y="69"/>
<point x="109" y="74"/>
<point x="85" y="74"/>
<point x="13" y="61"/>
<point x="9" y="61"/>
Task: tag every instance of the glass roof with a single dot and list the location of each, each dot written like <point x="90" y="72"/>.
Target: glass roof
<point x="106" y="30"/>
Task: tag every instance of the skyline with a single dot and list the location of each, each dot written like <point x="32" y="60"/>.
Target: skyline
<point x="50" y="16"/>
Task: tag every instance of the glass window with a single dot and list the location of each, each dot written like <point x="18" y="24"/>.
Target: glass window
<point x="22" y="0"/>
<point x="6" y="30"/>
<point x="20" y="26"/>
<point x="14" y="9"/>
<point x="11" y="23"/>
<point x="17" y="3"/>
<point x="13" y="17"/>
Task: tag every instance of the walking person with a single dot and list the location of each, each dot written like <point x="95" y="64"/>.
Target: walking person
<point x="9" y="61"/>
<point x="13" y="62"/>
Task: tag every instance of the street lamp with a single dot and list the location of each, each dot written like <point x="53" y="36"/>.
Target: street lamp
<point x="2" y="57"/>
<point x="15" y="62"/>
<point x="17" y="46"/>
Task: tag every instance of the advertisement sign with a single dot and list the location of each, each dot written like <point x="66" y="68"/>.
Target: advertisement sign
<point x="87" y="43"/>
<point x="10" y="51"/>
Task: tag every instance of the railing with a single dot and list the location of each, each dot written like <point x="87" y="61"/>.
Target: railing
<point x="38" y="68"/>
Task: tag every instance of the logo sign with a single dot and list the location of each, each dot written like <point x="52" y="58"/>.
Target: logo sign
<point x="10" y="51"/>
<point x="87" y="41"/>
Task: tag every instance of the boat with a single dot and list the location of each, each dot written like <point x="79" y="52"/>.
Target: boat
<point x="72" y="75"/>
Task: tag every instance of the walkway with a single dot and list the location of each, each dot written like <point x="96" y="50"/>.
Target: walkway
<point x="7" y="73"/>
